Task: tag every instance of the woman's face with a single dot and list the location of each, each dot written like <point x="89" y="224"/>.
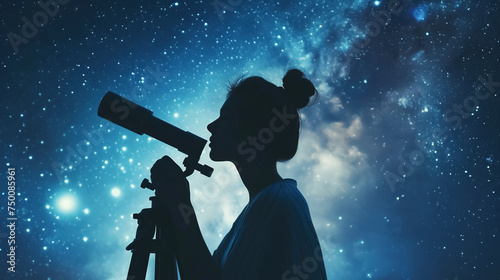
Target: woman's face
<point x="223" y="142"/>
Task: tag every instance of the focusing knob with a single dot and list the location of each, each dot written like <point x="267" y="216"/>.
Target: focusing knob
<point x="146" y="184"/>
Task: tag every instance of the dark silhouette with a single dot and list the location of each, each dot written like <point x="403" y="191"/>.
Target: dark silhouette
<point x="151" y="221"/>
<point x="140" y="120"/>
<point x="273" y="237"/>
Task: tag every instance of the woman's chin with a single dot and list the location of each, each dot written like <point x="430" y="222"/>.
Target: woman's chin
<point x="216" y="156"/>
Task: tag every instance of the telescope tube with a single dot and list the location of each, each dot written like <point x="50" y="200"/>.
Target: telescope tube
<point x="140" y="120"/>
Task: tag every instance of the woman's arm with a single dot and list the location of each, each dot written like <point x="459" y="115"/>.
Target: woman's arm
<point x="193" y="257"/>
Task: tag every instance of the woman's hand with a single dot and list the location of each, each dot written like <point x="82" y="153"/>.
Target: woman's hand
<point x="170" y="184"/>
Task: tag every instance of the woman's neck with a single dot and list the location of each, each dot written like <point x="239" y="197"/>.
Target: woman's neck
<point x="257" y="175"/>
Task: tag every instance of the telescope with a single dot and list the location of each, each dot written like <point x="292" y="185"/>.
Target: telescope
<point x="140" y="120"/>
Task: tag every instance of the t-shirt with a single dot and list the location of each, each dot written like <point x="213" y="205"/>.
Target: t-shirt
<point x="272" y="238"/>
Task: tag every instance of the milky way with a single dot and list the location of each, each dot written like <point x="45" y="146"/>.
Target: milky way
<point x="398" y="159"/>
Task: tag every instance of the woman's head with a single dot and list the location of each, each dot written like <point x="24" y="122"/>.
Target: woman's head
<point x="261" y="119"/>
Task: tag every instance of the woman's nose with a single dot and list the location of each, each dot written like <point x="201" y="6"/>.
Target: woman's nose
<point x="211" y="126"/>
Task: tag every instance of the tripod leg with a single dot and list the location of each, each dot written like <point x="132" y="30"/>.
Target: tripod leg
<point x="142" y="245"/>
<point x="165" y="263"/>
<point x="138" y="265"/>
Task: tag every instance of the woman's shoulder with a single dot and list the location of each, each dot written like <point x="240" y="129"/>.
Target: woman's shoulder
<point x="285" y="191"/>
<point x="281" y="197"/>
<point x="281" y="210"/>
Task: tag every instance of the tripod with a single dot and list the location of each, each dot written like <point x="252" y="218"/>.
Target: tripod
<point x="151" y="220"/>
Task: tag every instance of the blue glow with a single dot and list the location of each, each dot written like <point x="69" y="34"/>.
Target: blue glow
<point x="420" y="13"/>
<point x="67" y="203"/>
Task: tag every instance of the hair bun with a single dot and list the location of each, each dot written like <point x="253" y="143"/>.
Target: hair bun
<point x="297" y="88"/>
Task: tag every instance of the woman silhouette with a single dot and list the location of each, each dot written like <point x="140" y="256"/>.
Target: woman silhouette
<point x="273" y="237"/>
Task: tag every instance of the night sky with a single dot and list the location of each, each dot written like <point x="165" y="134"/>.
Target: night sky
<point x="399" y="158"/>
